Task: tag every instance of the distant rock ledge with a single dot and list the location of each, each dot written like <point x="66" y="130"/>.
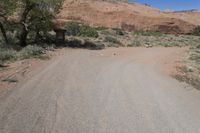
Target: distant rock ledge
<point x="116" y="0"/>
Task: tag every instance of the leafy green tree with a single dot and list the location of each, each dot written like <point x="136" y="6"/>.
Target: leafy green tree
<point x="7" y="8"/>
<point x="33" y="15"/>
<point x="37" y="16"/>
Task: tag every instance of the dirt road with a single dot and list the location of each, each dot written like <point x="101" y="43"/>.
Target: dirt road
<point x="109" y="91"/>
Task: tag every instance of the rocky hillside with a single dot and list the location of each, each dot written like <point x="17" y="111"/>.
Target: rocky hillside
<point x="129" y="16"/>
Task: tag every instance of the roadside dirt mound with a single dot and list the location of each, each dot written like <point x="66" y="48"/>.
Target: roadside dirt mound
<point x="129" y="16"/>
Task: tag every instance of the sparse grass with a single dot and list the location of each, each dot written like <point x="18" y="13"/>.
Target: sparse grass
<point x="26" y="53"/>
<point x="74" y="28"/>
<point x="144" y="38"/>
<point x="112" y="45"/>
<point x="195" y="54"/>
<point x="191" y="72"/>
<point x="196" y="31"/>
<point x="198" y="46"/>
<point x="193" y="80"/>
<point x="135" y="43"/>
<point x="85" y="43"/>
<point x="119" y="31"/>
<point x="168" y="40"/>
<point x="7" y="55"/>
<point x="169" y="44"/>
<point x="112" y="40"/>
<point x="94" y="45"/>
<point x="101" y="28"/>
<point x="195" y="57"/>
<point x="31" y="52"/>
<point x="148" y="33"/>
<point x="87" y="31"/>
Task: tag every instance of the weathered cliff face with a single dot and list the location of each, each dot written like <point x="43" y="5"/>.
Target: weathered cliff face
<point x="129" y="16"/>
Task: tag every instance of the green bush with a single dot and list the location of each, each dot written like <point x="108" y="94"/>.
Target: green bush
<point x="101" y="28"/>
<point x="75" y="43"/>
<point x="135" y="43"/>
<point x="78" y="29"/>
<point x="94" y="45"/>
<point x="196" y="31"/>
<point x="31" y="51"/>
<point x="198" y="46"/>
<point x="118" y="31"/>
<point x="88" y="31"/>
<point x="147" y="33"/>
<point x="195" y="57"/>
<point x="7" y="55"/>
<point x="72" y="28"/>
<point x="88" y="44"/>
<point x="112" y="40"/>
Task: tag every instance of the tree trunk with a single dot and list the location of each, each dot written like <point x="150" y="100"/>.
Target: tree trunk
<point x="24" y="33"/>
<point x="3" y="33"/>
<point x="23" y="37"/>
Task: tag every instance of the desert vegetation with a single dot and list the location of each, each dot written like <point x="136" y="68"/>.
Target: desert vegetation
<point x="27" y="20"/>
<point x="74" y="28"/>
<point x="148" y="33"/>
<point x="24" y="25"/>
<point x="196" y="31"/>
<point x="190" y="71"/>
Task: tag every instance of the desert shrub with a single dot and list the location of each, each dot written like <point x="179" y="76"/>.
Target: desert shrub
<point x="147" y="33"/>
<point x="135" y="43"/>
<point x="88" y="44"/>
<point x="77" y="29"/>
<point x="72" y="28"/>
<point x="101" y="28"/>
<point x="106" y="32"/>
<point x="170" y="44"/>
<point x="93" y="45"/>
<point x="7" y="55"/>
<point x="88" y="31"/>
<point x="47" y="38"/>
<point x="196" y="57"/>
<point x="31" y="51"/>
<point x="192" y="80"/>
<point x="112" y="40"/>
<point x="196" y="31"/>
<point x="198" y="46"/>
<point x="118" y="31"/>
<point x="112" y="45"/>
<point x="75" y="43"/>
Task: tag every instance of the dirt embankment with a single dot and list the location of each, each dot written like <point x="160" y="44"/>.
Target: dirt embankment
<point x="129" y="16"/>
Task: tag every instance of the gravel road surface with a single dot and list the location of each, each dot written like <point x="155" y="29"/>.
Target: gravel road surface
<point x="84" y="91"/>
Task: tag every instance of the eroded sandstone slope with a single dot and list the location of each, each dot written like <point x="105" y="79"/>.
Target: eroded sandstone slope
<point x="129" y="16"/>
